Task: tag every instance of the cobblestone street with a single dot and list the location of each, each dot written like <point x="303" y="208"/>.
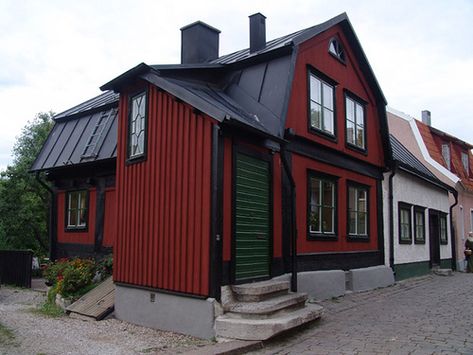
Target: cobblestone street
<point x="428" y="315"/>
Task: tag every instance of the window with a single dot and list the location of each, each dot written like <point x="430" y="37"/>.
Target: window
<point x="443" y="229"/>
<point x="446" y="154"/>
<point x="355" y="123"/>
<point x="357" y="212"/>
<point x="419" y="225"/>
<point x="405" y="224"/>
<point x="76" y="206"/>
<point x="137" y="126"/>
<point x="322" y="105"/>
<point x="336" y="49"/>
<point x="322" y="206"/>
<point x="465" y="159"/>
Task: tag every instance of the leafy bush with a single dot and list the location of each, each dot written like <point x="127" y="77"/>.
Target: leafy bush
<point x="53" y="270"/>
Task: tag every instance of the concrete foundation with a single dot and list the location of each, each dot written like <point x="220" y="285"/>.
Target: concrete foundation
<point x="370" y="278"/>
<point x="320" y="285"/>
<point x="165" y="311"/>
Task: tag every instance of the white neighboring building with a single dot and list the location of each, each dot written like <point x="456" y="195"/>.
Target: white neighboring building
<point x="416" y="218"/>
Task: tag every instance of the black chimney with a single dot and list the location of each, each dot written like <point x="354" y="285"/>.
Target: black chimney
<point x="257" y="32"/>
<point x="199" y="43"/>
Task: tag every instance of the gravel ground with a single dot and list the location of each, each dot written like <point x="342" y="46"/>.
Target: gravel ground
<point x="25" y="332"/>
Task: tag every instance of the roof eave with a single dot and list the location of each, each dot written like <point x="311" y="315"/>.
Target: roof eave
<point x="117" y="83"/>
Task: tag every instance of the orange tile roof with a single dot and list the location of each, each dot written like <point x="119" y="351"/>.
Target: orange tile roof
<point x="457" y="147"/>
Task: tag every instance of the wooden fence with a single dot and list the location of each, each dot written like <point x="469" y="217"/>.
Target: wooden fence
<point x="15" y="267"/>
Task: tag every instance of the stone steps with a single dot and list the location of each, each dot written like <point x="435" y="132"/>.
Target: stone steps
<point x="228" y="326"/>
<point x="269" y="306"/>
<point x="260" y="310"/>
<point x="443" y="272"/>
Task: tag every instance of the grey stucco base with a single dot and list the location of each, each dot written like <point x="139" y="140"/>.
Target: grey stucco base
<point x="168" y="312"/>
<point x="320" y="285"/>
<point x="370" y="278"/>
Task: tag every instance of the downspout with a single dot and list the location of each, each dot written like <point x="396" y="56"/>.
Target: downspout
<point x="452" y="231"/>
<point x="391" y="217"/>
<point x="52" y="250"/>
<point x="293" y="214"/>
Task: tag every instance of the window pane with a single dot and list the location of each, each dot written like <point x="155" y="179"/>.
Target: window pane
<point x="352" y="222"/>
<point x="359" y="115"/>
<point x="362" y="223"/>
<point x="331" y="48"/>
<point x="350" y="110"/>
<point x="350" y="132"/>
<point x="328" y="193"/>
<point x="361" y="200"/>
<point x="328" y="120"/>
<point x="315" y="115"/>
<point x="315" y="220"/>
<point x="351" y="199"/>
<point x="360" y="136"/>
<point x="328" y="96"/>
<point x="327" y="220"/>
<point x="315" y="89"/>
<point x="72" y="217"/>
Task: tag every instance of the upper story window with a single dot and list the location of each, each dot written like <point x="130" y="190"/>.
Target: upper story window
<point x="405" y="223"/>
<point x="446" y="154"/>
<point x="76" y="205"/>
<point x="355" y="123"/>
<point x="321" y="105"/>
<point x="322" y="206"/>
<point x="465" y="162"/>
<point x="336" y="49"/>
<point x="137" y="126"/>
<point x="357" y="211"/>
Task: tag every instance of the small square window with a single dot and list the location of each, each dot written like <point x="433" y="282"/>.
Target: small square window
<point x="405" y="223"/>
<point x="76" y="207"/>
<point x="137" y="126"/>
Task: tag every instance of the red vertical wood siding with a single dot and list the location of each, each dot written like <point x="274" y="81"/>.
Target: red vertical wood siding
<point x="314" y="53"/>
<point x="300" y="167"/>
<point x="163" y="202"/>
<point x="79" y="237"/>
<point x="110" y="218"/>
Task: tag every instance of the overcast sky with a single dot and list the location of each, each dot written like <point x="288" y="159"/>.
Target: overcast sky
<point x="56" y="54"/>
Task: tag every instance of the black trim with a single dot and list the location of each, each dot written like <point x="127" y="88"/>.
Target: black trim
<point x="333" y="236"/>
<point x="141" y="157"/>
<point x="311" y="71"/>
<point x="418" y="209"/>
<point x="286" y="212"/>
<point x="99" y="214"/>
<point x="337" y="261"/>
<point x="380" y="219"/>
<point x="357" y="100"/>
<point x="359" y="237"/>
<point x="216" y="222"/>
<point x="236" y="149"/>
<point x="80" y="229"/>
<point x="310" y="149"/>
<point x="406" y="207"/>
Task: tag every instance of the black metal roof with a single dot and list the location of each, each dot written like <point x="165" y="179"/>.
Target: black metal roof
<point x="410" y="163"/>
<point x="84" y="134"/>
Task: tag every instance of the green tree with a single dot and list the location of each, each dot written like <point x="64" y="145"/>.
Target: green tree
<point x="23" y="201"/>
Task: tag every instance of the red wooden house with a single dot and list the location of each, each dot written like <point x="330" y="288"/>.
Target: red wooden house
<point x="244" y="167"/>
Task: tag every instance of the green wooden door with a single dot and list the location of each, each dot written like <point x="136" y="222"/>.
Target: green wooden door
<point x="252" y="218"/>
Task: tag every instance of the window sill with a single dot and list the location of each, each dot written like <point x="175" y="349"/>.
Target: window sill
<point x="76" y="229"/>
<point x="136" y="159"/>
<point x="357" y="149"/>
<point x="405" y="241"/>
<point x="358" y="238"/>
<point x="419" y="241"/>
<point x="322" y="134"/>
<point x="322" y="237"/>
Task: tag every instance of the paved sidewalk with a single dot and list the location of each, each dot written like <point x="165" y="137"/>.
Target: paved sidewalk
<point x="428" y="315"/>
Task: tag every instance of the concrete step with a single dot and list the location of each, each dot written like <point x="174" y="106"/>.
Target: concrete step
<point x="228" y="326"/>
<point x="268" y="307"/>
<point x="443" y="272"/>
<point x="259" y="291"/>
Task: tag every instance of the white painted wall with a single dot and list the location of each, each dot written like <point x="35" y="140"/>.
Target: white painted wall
<point x="410" y="189"/>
